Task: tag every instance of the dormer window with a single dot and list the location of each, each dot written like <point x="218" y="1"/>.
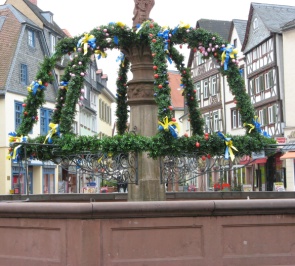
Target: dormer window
<point x="48" y="16"/>
<point x="255" y="24"/>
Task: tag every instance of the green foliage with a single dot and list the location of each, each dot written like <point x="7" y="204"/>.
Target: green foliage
<point x="161" y="42"/>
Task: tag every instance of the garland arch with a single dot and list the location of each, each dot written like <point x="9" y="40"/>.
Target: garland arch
<point x="161" y="41"/>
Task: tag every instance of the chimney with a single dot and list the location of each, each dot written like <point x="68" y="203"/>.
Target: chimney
<point x="34" y="2"/>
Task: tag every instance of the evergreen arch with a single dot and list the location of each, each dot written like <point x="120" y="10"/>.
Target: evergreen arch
<point x="162" y="41"/>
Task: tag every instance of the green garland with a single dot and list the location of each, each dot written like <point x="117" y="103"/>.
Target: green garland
<point x="161" y="42"/>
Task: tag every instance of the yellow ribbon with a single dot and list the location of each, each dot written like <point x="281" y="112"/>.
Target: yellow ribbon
<point x="250" y="125"/>
<point x="184" y="25"/>
<point x="85" y="40"/>
<point x="231" y="54"/>
<point x="51" y="132"/>
<point x="100" y="53"/>
<point x="15" y="139"/>
<point x="120" y="24"/>
<point x="166" y="124"/>
<point x="230" y="148"/>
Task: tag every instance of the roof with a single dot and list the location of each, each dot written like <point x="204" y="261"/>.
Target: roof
<point x="240" y="26"/>
<point x="221" y="27"/>
<point x="274" y="16"/>
<point x="289" y="25"/>
<point x="9" y="36"/>
<point x="66" y="32"/>
<point x="176" y="92"/>
<point x="38" y="12"/>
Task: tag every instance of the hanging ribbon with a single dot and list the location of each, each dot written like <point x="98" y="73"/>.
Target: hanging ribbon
<point x="121" y="58"/>
<point x="184" y="25"/>
<point x="257" y="124"/>
<point x="165" y="36"/>
<point x="85" y="41"/>
<point x="171" y="126"/>
<point x="13" y="138"/>
<point x="100" y="54"/>
<point x="35" y="85"/>
<point x="54" y="130"/>
<point x="249" y="125"/>
<point x="228" y="52"/>
<point x="229" y="147"/>
<point x="116" y="40"/>
<point x="64" y="84"/>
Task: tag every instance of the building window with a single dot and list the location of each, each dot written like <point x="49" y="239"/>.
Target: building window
<point x="75" y="127"/>
<point x="31" y="38"/>
<point x="255" y="24"/>
<point x="85" y="92"/>
<point x="272" y="114"/>
<point x="24" y="74"/>
<point x="53" y="43"/>
<point x="94" y="124"/>
<point x="257" y="85"/>
<point x="234" y="119"/>
<point x="199" y="59"/>
<point x="240" y="124"/>
<point x="213" y="86"/>
<point x="100" y="109"/>
<point x="216" y="121"/>
<point x="235" y="43"/>
<point x="45" y="118"/>
<point x="18" y="110"/>
<point x="206" y="88"/>
<point x="48" y="181"/>
<point x="198" y="91"/>
<point x="207" y="124"/>
<point x="262" y="117"/>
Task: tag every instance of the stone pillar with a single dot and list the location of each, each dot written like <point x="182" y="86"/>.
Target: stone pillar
<point x="144" y="117"/>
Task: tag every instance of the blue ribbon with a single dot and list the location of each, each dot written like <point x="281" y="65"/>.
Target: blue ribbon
<point x="121" y="58"/>
<point x="175" y="30"/>
<point x="228" y="52"/>
<point x="116" y="40"/>
<point x="64" y="83"/>
<point x="229" y="147"/>
<point x="35" y="85"/>
<point x="165" y="36"/>
<point x="257" y="125"/>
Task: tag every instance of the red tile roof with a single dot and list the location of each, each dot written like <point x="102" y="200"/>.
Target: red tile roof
<point x="176" y="92"/>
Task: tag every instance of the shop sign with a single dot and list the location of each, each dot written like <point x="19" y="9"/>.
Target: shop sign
<point x="257" y="155"/>
<point x="281" y="140"/>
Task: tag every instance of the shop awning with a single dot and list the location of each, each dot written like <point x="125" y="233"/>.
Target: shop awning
<point x="251" y="161"/>
<point x="288" y="155"/>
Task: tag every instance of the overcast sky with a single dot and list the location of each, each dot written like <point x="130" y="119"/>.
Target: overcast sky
<point x="79" y="17"/>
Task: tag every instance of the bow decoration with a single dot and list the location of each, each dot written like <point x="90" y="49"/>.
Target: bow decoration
<point x="100" y="54"/>
<point x="165" y="36"/>
<point x="121" y="58"/>
<point x="229" y="147"/>
<point x="228" y="52"/>
<point x="13" y="138"/>
<point x="35" y="85"/>
<point x="257" y="124"/>
<point x="64" y="84"/>
<point x="249" y="125"/>
<point x="120" y="24"/>
<point x="87" y="40"/>
<point x="184" y="25"/>
<point x="54" y="130"/>
<point x="171" y="126"/>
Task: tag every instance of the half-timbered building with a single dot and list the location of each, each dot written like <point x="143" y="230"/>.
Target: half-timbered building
<point x="263" y="50"/>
